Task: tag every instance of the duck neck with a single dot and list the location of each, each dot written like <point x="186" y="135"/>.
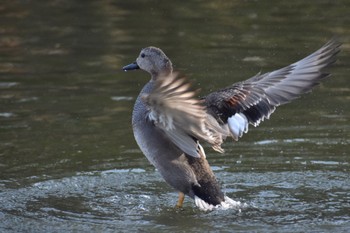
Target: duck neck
<point x="156" y="75"/>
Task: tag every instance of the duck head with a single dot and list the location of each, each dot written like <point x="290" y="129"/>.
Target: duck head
<point x="152" y="60"/>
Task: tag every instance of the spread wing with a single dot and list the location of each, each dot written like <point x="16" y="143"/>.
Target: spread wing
<point x="253" y="100"/>
<point x="182" y="117"/>
<point x="227" y="112"/>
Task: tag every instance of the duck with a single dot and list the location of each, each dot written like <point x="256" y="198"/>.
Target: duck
<point x="170" y="123"/>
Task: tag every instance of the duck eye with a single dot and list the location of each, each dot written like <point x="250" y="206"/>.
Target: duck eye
<point x="143" y="55"/>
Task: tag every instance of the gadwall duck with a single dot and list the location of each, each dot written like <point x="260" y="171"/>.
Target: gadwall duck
<point x="169" y="122"/>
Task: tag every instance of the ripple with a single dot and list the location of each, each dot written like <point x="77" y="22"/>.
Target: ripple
<point x="328" y="162"/>
<point x="7" y="114"/>
<point x="122" y="98"/>
<point x="8" y="84"/>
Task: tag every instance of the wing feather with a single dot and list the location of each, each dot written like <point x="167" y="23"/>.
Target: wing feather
<point x="258" y="97"/>
<point x="182" y="117"/>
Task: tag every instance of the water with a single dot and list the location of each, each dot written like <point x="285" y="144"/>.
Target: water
<point x="68" y="160"/>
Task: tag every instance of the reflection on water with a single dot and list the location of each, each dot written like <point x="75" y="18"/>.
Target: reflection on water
<point x="68" y="160"/>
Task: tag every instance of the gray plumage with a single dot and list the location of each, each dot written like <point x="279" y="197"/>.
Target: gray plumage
<point x="169" y="121"/>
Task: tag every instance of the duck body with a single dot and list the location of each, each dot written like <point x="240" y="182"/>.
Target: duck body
<point x="169" y="121"/>
<point x="183" y="172"/>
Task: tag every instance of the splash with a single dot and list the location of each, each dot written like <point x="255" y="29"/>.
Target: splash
<point x="228" y="203"/>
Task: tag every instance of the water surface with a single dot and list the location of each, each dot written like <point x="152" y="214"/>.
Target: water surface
<point x="68" y="160"/>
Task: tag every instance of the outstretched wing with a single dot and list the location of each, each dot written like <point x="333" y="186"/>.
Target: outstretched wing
<point x="253" y="100"/>
<point x="185" y="119"/>
<point x="182" y="117"/>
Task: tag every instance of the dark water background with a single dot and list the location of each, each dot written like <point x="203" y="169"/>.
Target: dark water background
<point x="68" y="160"/>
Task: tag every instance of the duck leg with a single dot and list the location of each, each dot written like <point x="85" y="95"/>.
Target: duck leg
<point x="181" y="199"/>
